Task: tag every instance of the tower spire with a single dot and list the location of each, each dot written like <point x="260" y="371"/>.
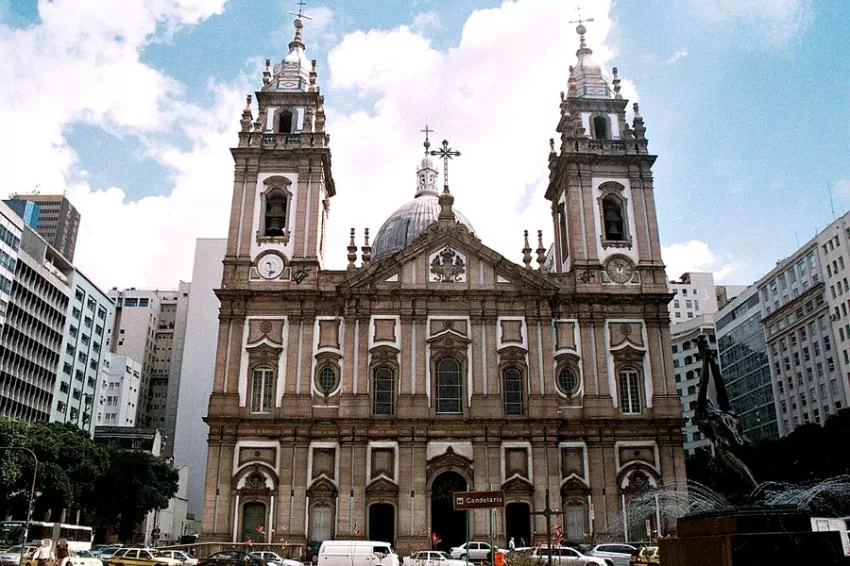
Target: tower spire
<point x="586" y="78"/>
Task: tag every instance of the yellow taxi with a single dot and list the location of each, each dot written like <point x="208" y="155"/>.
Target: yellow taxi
<point x="134" y="556"/>
<point x="645" y="556"/>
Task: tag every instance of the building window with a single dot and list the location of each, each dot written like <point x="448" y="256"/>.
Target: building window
<point x="562" y="228"/>
<point x="630" y="391"/>
<point x="449" y="387"/>
<point x="383" y="391"/>
<point x="321" y="522"/>
<point x="326" y="380"/>
<point x="512" y="396"/>
<point x="286" y="122"/>
<point x="261" y="389"/>
<point x="601" y="128"/>
<point x="568" y="381"/>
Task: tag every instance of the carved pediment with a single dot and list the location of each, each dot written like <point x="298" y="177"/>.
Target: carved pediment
<point x="263" y="354"/>
<point x="322" y="488"/>
<point x="448" y="339"/>
<point x="517" y="486"/>
<point x="512" y="355"/>
<point x="382" y="488"/>
<point x="628" y="354"/>
<point x="448" y="460"/>
<point x="574" y="486"/>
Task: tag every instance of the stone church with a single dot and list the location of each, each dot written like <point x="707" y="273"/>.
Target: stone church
<point x="353" y="403"/>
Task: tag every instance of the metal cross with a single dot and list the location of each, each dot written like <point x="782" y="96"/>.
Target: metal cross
<point x="445" y="153"/>
<point x="300" y="14"/>
<point x="580" y="21"/>
<point x="427" y="131"/>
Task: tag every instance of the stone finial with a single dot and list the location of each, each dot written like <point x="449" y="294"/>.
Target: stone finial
<point x="366" y="249"/>
<point x="247" y="116"/>
<point x="352" y="252"/>
<point x="616" y="82"/>
<point x="637" y="124"/>
<point x="313" y="75"/>
<point x="541" y="252"/>
<point x="526" y="251"/>
<point x="551" y="146"/>
<point x="267" y="72"/>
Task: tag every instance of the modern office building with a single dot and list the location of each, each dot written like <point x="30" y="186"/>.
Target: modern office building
<point x="86" y="334"/>
<point x="58" y="221"/>
<point x="745" y="365"/>
<point x="26" y="209"/>
<point x="198" y="367"/>
<point x="11" y="231"/>
<point x="32" y="336"/>
<point x="119" y="396"/>
<point x="176" y="341"/>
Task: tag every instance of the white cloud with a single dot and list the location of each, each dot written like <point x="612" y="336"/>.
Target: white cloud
<point x="676" y="57"/>
<point x="775" y="22"/>
<point x="491" y="96"/>
<point x="695" y="256"/>
<point x="426" y="20"/>
<point x="842" y="187"/>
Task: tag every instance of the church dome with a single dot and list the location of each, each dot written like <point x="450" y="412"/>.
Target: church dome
<point x="409" y="221"/>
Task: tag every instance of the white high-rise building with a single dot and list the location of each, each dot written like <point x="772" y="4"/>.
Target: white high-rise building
<point x="120" y="393"/>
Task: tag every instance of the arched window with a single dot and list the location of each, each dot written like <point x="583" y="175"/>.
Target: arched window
<point x="383" y="391"/>
<point x="261" y="389"/>
<point x="275" y="220"/>
<point x="449" y="386"/>
<point x="629" y="382"/>
<point x="286" y="121"/>
<point x="512" y="395"/>
<point x="562" y="229"/>
<point x="614" y="218"/>
<point x="601" y="131"/>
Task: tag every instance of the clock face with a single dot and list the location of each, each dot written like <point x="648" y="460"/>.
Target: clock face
<point x="619" y="270"/>
<point x="270" y="266"/>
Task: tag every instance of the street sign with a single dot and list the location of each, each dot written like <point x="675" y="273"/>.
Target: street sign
<point x="477" y="499"/>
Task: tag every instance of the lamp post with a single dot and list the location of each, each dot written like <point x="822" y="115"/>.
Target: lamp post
<point x="32" y="492"/>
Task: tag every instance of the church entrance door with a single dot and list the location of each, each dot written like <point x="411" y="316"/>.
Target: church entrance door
<point x="449" y="525"/>
<point x="518" y="523"/>
<point x="253" y="517"/>
<point x="382" y="522"/>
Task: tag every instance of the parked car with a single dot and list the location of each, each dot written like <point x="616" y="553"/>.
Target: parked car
<point x="181" y="556"/>
<point x="275" y="558"/>
<point x="107" y="552"/>
<point x="619" y="553"/>
<point x="357" y="553"/>
<point x="432" y="558"/>
<point x="84" y="558"/>
<point x="12" y="556"/>
<point x="645" y="556"/>
<point x="567" y="556"/>
<point x="231" y="558"/>
<point x="476" y="551"/>
<point x="136" y="556"/>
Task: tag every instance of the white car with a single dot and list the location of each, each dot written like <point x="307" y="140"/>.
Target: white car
<point x="84" y="558"/>
<point x="433" y="558"/>
<point x="567" y="556"/>
<point x="275" y="558"/>
<point x="181" y="556"/>
<point x="476" y="551"/>
<point x="619" y="553"/>
<point x="12" y="556"/>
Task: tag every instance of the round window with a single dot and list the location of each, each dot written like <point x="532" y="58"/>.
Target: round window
<point x="327" y="380"/>
<point x="567" y="381"/>
<point x="256" y="480"/>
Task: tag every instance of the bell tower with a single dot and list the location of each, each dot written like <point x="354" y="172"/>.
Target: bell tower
<point x="282" y="182"/>
<point x="600" y="183"/>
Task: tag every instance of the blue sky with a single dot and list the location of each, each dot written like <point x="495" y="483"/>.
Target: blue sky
<point x="131" y="107"/>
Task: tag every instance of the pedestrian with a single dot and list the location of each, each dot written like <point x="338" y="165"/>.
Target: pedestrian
<point x="44" y="552"/>
<point x="63" y="553"/>
<point x="522" y="541"/>
<point x="511" y="544"/>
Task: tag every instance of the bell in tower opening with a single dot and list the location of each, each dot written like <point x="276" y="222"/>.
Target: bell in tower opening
<point x="276" y="214"/>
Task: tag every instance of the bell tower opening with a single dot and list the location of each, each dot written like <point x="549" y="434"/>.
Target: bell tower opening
<point x="285" y="124"/>
<point x="275" y="213"/>
<point x="601" y="129"/>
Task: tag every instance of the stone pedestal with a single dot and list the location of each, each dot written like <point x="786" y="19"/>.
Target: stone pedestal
<point x="751" y="537"/>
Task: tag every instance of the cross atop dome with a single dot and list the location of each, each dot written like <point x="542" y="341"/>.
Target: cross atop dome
<point x="586" y="78"/>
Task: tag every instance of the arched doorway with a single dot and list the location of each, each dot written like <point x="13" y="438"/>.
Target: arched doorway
<point x="518" y="523"/>
<point x="448" y="524"/>
<point x="382" y="522"/>
<point x="253" y="516"/>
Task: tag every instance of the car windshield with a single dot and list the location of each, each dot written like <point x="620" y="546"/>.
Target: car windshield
<point x="82" y="553"/>
<point x="443" y="555"/>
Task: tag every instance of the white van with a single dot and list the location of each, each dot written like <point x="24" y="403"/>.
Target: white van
<point x="356" y="553"/>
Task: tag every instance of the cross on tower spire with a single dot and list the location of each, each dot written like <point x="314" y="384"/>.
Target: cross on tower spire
<point x="300" y="13"/>
<point x="580" y="28"/>
<point x="445" y="153"/>
<point x="427" y="131"/>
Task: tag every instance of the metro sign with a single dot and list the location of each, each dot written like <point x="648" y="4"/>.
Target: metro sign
<point x="477" y="499"/>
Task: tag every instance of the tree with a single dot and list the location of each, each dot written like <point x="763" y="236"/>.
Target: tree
<point x="135" y="484"/>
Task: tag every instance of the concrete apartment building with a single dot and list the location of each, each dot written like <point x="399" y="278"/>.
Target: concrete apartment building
<point x="119" y="396"/>
<point x="58" y="222"/>
<point x="84" y="348"/>
<point x="745" y="364"/>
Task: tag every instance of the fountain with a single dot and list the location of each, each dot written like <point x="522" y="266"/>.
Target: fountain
<point x="772" y="527"/>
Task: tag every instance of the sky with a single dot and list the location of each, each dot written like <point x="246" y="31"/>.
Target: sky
<point x="131" y="107"/>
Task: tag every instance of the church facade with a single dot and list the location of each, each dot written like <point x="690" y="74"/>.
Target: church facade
<point x="353" y="403"/>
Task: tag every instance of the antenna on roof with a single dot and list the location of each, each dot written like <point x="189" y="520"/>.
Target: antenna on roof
<point x="831" y="205"/>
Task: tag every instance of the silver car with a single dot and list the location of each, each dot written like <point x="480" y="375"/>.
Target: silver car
<point x="619" y="553"/>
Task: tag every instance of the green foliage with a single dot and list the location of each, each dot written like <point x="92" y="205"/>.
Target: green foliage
<point x="115" y="488"/>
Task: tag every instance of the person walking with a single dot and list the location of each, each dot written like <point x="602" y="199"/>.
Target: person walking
<point x="511" y="544"/>
<point x="63" y="553"/>
<point x="44" y="552"/>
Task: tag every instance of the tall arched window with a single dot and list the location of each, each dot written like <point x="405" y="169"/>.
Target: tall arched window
<point x="601" y="131"/>
<point x="449" y="386"/>
<point x="512" y="395"/>
<point x="286" y="121"/>
<point x="630" y="391"/>
<point x="383" y="391"/>
<point x="614" y="218"/>
<point x="261" y="389"/>
<point x="562" y="229"/>
<point x="321" y="523"/>
<point x="275" y="220"/>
